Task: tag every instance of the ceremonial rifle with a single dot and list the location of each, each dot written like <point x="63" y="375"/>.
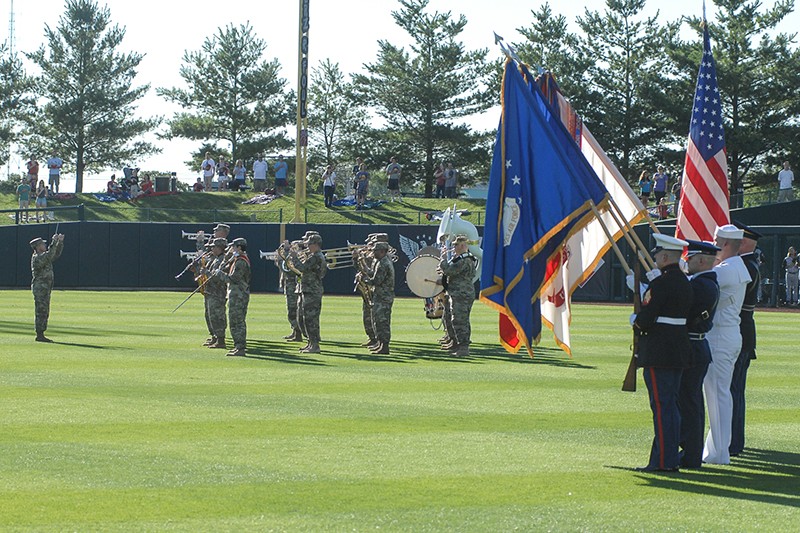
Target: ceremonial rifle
<point x="629" y="383"/>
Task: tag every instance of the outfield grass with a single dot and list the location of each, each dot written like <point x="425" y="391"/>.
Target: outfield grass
<point x="126" y="423"/>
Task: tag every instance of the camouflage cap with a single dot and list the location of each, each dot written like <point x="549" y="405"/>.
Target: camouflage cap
<point x="35" y="242"/>
<point x="381" y="237"/>
<point x="314" y="239"/>
<point x="239" y="242"/>
<point x="223" y="227"/>
<point x="309" y="233"/>
<point x="382" y="246"/>
<point x="220" y="242"/>
<point x="461" y="238"/>
<point x="299" y="242"/>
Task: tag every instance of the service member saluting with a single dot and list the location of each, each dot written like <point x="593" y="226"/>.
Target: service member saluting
<point x="664" y="347"/>
<point x="459" y="271"/>
<point x="236" y="273"/>
<point x="42" y="279"/>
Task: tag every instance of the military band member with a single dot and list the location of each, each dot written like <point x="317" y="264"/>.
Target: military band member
<point x="216" y="294"/>
<point x="458" y="273"/>
<point x="364" y="261"/>
<point x="725" y="341"/>
<point x="221" y="231"/>
<point x="382" y="282"/>
<point x="288" y="283"/>
<point x="747" y="327"/>
<point x="42" y="279"/>
<point x="700" y="259"/>
<point x="664" y="348"/>
<point x="312" y="270"/>
<point x="236" y="273"/>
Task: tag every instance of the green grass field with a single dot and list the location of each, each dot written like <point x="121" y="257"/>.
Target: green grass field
<point x="126" y="423"/>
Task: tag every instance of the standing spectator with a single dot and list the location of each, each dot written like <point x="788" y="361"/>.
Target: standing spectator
<point x="645" y="186"/>
<point x="362" y="186"/>
<point x="239" y="176"/>
<point x="42" y="279"/>
<point x="198" y="186"/>
<point x="438" y="175"/>
<point x="222" y="173"/>
<point x="790" y="265"/>
<point x="260" y="174"/>
<point x="676" y="193"/>
<point x="54" y="164"/>
<point x="41" y="200"/>
<point x="281" y="170"/>
<point x="660" y="183"/>
<point x="450" y="181"/>
<point x="785" y="179"/>
<point x="329" y="185"/>
<point x="356" y="170"/>
<point x="208" y="166"/>
<point x="33" y="172"/>
<point x="24" y="195"/>
<point x="393" y="171"/>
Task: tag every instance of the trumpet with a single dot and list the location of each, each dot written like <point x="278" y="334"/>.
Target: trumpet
<point x="190" y="255"/>
<point x="193" y="236"/>
<point x="269" y="256"/>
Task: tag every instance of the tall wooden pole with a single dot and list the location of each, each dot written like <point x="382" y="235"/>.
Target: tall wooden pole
<point x="301" y="152"/>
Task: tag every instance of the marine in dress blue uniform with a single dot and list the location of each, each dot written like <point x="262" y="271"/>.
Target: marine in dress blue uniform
<point x="747" y="326"/>
<point x="705" y="292"/>
<point x="664" y="349"/>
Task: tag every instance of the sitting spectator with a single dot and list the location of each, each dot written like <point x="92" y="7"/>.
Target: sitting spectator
<point x="147" y="185"/>
<point x="41" y="200"/>
<point x="134" y="190"/>
<point x="663" y="208"/>
<point x="112" y="188"/>
<point x="239" y="176"/>
<point x="198" y="186"/>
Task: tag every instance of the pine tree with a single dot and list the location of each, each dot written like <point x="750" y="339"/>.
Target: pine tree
<point x="419" y="94"/>
<point x="233" y="94"/>
<point x="14" y="99"/>
<point x="87" y="101"/>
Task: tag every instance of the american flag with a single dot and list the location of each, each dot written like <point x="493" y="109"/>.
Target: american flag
<point x="704" y="189"/>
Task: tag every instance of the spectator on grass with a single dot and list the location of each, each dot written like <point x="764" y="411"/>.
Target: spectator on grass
<point x="24" y="195"/>
<point x="134" y="190"/>
<point x="362" y="186"/>
<point x="329" y="185"/>
<point x="222" y="174"/>
<point x="785" y="179"/>
<point x="147" y="186"/>
<point x="41" y="200"/>
<point x="33" y="172"/>
<point x="239" y="176"/>
<point x="450" y="181"/>
<point x="356" y="170"/>
<point x="438" y="175"/>
<point x="112" y="187"/>
<point x="54" y="164"/>
<point x="393" y="171"/>
<point x="645" y="186"/>
<point x="207" y="167"/>
<point x="260" y="174"/>
<point x="198" y="186"/>
<point x="660" y="182"/>
<point x="281" y="172"/>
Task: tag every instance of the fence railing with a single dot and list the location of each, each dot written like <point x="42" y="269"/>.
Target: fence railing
<point x="47" y="213"/>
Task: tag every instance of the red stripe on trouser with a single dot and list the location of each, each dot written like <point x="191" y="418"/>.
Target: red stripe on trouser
<point x="659" y="425"/>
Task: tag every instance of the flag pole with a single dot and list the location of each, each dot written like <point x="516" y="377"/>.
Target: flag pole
<point x="610" y="237"/>
<point x="628" y="231"/>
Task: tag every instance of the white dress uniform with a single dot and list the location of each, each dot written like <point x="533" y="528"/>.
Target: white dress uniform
<point x="725" y="341"/>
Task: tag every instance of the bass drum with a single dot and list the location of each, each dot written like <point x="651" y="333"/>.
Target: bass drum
<point x="421" y="276"/>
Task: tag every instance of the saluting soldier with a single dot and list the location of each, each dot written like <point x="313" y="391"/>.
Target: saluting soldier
<point x="237" y="276"/>
<point x="312" y="270"/>
<point x="747" y="327"/>
<point x="458" y="273"/>
<point x="288" y="283"/>
<point x="382" y="282"/>
<point x="664" y="349"/>
<point x="725" y="341"/>
<point x="216" y="295"/>
<point x="42" y="279"/>
<point x="700" y="259"/>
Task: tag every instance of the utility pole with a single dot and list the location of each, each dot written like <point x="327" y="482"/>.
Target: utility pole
<point x="11" y="58"/>
<point x="302" y="113"/>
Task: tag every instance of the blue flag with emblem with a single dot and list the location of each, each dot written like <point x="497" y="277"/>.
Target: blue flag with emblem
<point x="541" y="191"/>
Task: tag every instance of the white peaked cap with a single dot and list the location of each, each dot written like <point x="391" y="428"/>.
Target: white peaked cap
<point x="665" y="242"/>
<point x="729" y="231"/>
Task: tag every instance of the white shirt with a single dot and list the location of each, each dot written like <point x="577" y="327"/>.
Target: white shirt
<point x="785" y="178"/>
<point x="733" y="277"/>
<point x="259" y="170"/>
<point x="330" y="180"/>
<point x="209" y="172"/>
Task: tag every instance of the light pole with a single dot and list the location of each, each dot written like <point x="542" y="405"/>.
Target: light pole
<point x="302" y="113"/>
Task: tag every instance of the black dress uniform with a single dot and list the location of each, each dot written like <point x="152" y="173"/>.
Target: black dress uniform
<point x="705" y="292"/>
<point x="747" y="326"/>
<point x="664" y="352"/>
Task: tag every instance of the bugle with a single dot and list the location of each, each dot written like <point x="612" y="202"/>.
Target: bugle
<point x="193" y="236"/>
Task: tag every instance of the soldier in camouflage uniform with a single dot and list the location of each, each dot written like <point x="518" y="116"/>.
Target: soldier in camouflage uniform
<point x="364" y="261"/>
<point x="221" y="231"/>
<point x="216" y="294"/>
<point x="237" y="276"/>
<point x="382" y="282"/>
<point x="460" y="270"/>
<point x="42" y="279"/>
<point x="288" y="283"/>
<point x="312" y="270"/>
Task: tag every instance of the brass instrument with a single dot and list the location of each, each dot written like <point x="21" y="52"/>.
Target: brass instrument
<point x="289" y="257"/>
<point x="193" y="236"/>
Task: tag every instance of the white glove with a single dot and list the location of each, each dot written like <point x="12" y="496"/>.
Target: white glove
<point x="629" y="281"/>
<point x="633" y="318"/>
<point x="653" y="274"/>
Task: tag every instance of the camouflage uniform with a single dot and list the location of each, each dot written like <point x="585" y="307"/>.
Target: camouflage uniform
<point x="366" y="303"/>
<point x="460" y="295"/>
<point x="238" y="280"/>
<point x="216" y="295"/>
<point x="310" y="288"/>
<point x="289" y="285"/>
<point x="382" y="281"/>
<point x="42" y="282"/>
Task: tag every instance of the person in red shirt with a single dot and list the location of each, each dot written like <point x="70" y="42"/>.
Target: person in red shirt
<point x="147" y="186"/>
<point x="198" y="186"/>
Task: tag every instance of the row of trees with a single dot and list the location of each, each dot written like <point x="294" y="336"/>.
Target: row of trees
<point x="631" y="77"/>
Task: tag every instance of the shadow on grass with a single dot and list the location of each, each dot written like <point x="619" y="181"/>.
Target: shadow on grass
<point x="767" y="476"/>
<point x="280" y="352"/>
<point x="83" y="345"/>
<point x="408" y="352"/>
